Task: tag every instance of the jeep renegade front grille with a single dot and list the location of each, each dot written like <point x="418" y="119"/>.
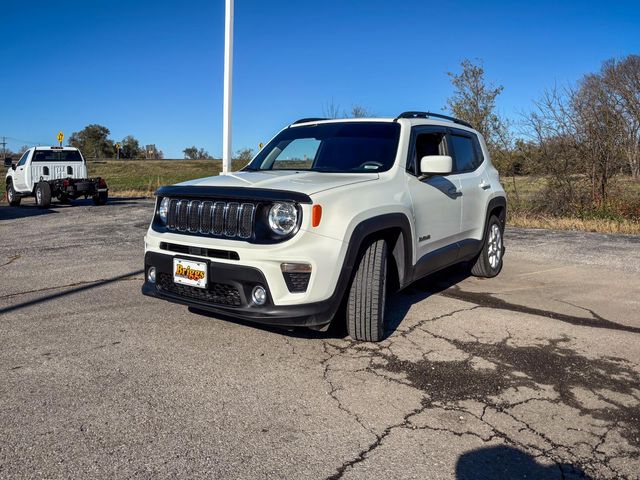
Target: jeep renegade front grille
<point x="223" y="219"/>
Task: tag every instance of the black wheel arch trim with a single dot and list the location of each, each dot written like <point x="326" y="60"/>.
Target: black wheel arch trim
<point x="495" y="202"/>
<point x="402" y="251"/>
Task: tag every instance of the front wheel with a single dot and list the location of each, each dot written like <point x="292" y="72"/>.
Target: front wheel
<point x="12" y="196"/>
<point x="366" y="302"/>
<point x="100" y="198"/>
<point x="489" y="262"/>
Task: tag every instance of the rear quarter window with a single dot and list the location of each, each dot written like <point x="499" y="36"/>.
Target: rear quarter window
<point x="465" y="153"/>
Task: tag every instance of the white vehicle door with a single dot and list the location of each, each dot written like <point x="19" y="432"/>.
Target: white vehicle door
<point x="437" y="203"/>
<point x="20" y="181"/>
<point x="470" y="169"/>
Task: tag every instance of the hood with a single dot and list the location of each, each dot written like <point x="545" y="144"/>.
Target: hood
<point x="296" y="181"/>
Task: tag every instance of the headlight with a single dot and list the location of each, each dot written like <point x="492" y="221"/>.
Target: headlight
<point x="283" y="218"/>
<point x="163" y="210"/>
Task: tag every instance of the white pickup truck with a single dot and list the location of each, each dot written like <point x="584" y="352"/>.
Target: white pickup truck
<point x="52" y="172"/>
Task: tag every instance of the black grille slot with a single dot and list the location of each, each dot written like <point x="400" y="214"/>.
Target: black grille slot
<point x="297" y="282"/>
<point x="231" y="219"/>
<point x="182" y="215"/>
<point x="205" y="217"/>
<point x="245" y="226"/>
<point x="217" y="293"/>
<point x="194" y="215"/>
<point x="218" y="218"/>
<point x="173" y="214"/>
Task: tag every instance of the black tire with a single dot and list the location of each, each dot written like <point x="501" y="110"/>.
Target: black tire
<point x="43" y="195"/>
<point x="100" y="198"/>
<point x="12" y="196"/>
<point x="489" y="262"/>
<point x="366" y="302"/>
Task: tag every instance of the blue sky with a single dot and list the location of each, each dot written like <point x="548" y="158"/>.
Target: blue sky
<point x="154" y="68"/>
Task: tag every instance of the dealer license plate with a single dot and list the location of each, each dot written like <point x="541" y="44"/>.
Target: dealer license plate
<point x="188" y="272"/>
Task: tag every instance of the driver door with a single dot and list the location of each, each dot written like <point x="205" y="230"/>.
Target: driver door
<point x="437" y="202"/>
<point x="20" y="175"/>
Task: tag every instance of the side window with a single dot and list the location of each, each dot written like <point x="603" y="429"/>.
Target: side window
<point x="426" y="143"/>
<point x="464" y="153"/>
<point x="23" y="159"/>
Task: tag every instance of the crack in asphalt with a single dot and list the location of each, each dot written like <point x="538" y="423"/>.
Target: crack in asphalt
<point x="11" y="260"/>
<point x="488" y="300"/>
<point x="447" y="383"/>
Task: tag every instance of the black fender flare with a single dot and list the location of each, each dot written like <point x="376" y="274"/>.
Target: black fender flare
<point x="402" y="250"/>
<point x="495" y="202"/>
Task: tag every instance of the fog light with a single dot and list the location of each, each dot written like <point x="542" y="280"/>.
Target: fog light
<point x="151" y="275"/>
<point x="259" y="295"/>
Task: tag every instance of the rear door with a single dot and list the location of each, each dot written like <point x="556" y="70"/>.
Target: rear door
<point x="470" y="169"/>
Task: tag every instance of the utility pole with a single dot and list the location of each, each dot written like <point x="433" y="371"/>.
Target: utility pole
<point x="4" y="150"/>
<point x="228" y="75"/>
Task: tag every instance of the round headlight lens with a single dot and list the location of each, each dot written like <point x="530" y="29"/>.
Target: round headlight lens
<point x="163" y="211"/>
<point x="283" y="218"/>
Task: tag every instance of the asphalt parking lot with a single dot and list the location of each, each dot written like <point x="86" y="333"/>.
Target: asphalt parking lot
<point x="533" y="374"/>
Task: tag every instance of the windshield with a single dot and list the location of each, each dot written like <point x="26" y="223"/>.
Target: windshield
<point x="332" y="147"/>
<point x="57" y="156"/>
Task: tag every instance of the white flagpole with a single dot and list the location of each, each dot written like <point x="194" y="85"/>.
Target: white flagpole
<point x="228" y="76"/>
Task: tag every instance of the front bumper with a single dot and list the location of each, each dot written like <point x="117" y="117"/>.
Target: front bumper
<point x="229" y="292"/>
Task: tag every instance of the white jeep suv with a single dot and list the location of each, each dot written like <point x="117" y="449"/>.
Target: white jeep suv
<point x="330" y="214"/>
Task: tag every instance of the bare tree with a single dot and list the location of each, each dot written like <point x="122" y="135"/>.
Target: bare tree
<point x="622" y="80"/>
<point x="474" y="100"/>
<point x="331" y="110"/>
<point x="358" y="111"/>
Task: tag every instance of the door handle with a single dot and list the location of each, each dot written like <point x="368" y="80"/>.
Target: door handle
<point x="454" y="192"/>
<point x="484" y="185"/>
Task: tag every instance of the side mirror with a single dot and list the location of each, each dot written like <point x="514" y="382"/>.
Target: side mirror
<point x="8" y="162"/>
<point x="436" y="165"/>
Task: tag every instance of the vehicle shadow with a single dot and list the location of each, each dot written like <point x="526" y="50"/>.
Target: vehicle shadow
<point x="398" y="305"/>
<point x="500" y="462"/>
<point x="28" y="207"/>
<point x="23" y="211"/>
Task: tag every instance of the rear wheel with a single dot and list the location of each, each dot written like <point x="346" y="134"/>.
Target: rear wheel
<point x="366" y="302"/>
<point x="12" y="196"/>
<point x="489" y="261"/>
<point x="43" y="195"/>
<point x="100" y="198"/>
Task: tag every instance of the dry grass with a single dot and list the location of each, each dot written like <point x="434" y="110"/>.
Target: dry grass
<point x="601" y="225"/>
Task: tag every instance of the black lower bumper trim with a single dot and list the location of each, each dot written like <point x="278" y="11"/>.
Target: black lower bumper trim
<point x="243" y="279"/>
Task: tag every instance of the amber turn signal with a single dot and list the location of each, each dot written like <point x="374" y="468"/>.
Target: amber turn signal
<point x="316" y="215"/>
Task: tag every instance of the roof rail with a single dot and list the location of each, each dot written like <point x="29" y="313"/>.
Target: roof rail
<point x="310" y="119"/>
<point x="433" y="115"/>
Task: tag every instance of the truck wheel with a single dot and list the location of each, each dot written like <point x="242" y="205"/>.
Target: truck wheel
<point x="100" y="198"/>
<point x="43" y="195"/>
<point x="12" y="196"/>
<point x="489" y="262"/>
<point x="366" y="303"/>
